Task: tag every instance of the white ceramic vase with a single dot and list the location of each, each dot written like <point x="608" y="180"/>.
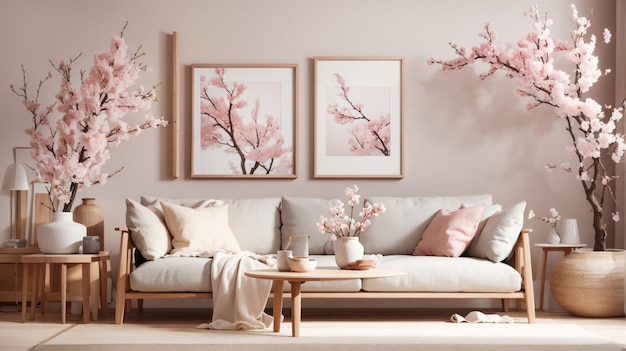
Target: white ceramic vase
<point x="553" y="237"/>
<point x="347" y="250"/>
<point x="61" y="235"/>
<point x="569" y="231"/>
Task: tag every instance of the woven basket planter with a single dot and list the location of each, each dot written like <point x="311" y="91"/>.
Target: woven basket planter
<point x="590" y="283"/>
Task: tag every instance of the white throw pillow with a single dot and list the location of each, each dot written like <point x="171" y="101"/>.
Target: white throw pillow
<point x="199" y="230"/>
<point x="499" y="235"/>
<point x="147" y="230"/>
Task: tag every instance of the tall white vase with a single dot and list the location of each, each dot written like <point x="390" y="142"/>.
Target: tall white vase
<point x="569" y="231"/>
<point x="61" y="235"/>
<point x="347" y="250"/>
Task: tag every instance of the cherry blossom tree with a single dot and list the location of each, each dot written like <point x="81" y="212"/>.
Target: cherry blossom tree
<point x="595" y="142"/>
<point x="255" y="140"/>
<point x="69" y="151"/>
<point x="369" y="136"/>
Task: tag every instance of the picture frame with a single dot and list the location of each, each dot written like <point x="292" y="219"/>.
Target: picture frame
<point x="359" y="114"/>
<point x="244" y="121"/>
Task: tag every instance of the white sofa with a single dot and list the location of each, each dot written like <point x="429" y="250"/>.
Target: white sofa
<point x="496" y="265"/>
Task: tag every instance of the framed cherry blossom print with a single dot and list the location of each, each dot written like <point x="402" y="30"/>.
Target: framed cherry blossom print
<point x="358" y="111"/>
<point x="244" y="121"/>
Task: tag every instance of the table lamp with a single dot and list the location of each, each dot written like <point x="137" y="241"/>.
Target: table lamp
<point x="15" y="179"/>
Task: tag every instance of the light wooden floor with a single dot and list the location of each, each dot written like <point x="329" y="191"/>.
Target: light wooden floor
<point x="29" y="334"/>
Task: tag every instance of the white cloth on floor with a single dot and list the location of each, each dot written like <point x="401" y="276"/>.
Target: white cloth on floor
<point x="479" y="317"/>
<point x="238" y="300"/>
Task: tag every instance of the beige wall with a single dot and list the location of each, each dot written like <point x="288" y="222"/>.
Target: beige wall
<point x="462" y="136"/>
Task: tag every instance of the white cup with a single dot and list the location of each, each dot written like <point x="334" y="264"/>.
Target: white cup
<point x="282" y="258"/>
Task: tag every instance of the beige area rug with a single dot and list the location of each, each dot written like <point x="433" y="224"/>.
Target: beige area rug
<point x="334" y="336"/>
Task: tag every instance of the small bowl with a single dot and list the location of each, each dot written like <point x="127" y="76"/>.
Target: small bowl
<point x="301" y="264"/>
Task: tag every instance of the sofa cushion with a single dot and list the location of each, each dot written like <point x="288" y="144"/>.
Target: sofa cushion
<point x="400" y="228"/>
<point x="445" y="274"/>
<point x="193" y="274"/>
<point x="450" y="232"/>
<point x="147" y="230"/>
<point x="255" y="222"/>
<point x="299" y="216"/>
<point x="199" y="230"/>
<point x="173" y="274"/>
<point x="499" y="235"/>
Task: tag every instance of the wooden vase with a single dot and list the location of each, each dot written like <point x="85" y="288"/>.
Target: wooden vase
<point x="91" y="215"/>
<point x="590" y="283"/>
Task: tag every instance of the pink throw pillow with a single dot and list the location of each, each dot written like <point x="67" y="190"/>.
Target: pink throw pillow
<point x="450" y="232"/>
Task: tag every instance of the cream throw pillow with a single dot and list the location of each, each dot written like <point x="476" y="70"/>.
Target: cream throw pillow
<point x="147" y="230"/>
<point x="199" y="230"/>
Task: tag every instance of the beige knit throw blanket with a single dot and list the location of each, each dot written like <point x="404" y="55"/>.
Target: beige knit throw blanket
<point x="238" y="300"/>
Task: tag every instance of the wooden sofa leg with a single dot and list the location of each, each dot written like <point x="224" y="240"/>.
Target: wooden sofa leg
<point x="119" y="312"/>
<point x="505" y="305"/>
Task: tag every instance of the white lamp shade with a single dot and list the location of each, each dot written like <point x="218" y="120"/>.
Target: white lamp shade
<point x="15" y="177"/>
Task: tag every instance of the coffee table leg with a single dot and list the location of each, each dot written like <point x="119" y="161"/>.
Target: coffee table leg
<point x="278" y="304"/>
<point x="296" y="307"/>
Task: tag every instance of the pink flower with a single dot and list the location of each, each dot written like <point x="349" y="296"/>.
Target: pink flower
<point x="531" y="62"/>
<point x="89" y="124"/>
<point x="339" y="224"/>
<point x="606" y="34"/>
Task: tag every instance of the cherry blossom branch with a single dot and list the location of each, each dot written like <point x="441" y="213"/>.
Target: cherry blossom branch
<point x="70" y="157"/>
<point x="373" y="135"/>
<point x="594" y="137"/>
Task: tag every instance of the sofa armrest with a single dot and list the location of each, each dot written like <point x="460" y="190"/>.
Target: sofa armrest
<point x="124" y="269"/>
<point x="523" y="265"/>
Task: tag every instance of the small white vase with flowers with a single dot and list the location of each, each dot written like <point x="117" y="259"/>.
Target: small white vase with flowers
<point x="553" y="235"/>
<point x="344" y="229"/>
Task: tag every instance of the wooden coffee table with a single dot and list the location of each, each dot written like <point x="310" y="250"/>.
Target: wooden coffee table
<point x="296" y="279"/>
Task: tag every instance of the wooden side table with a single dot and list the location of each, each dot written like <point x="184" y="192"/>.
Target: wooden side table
<point x="13" y="256"/>
<point x="35" y="268"/>
<point x="546" y="248"/>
